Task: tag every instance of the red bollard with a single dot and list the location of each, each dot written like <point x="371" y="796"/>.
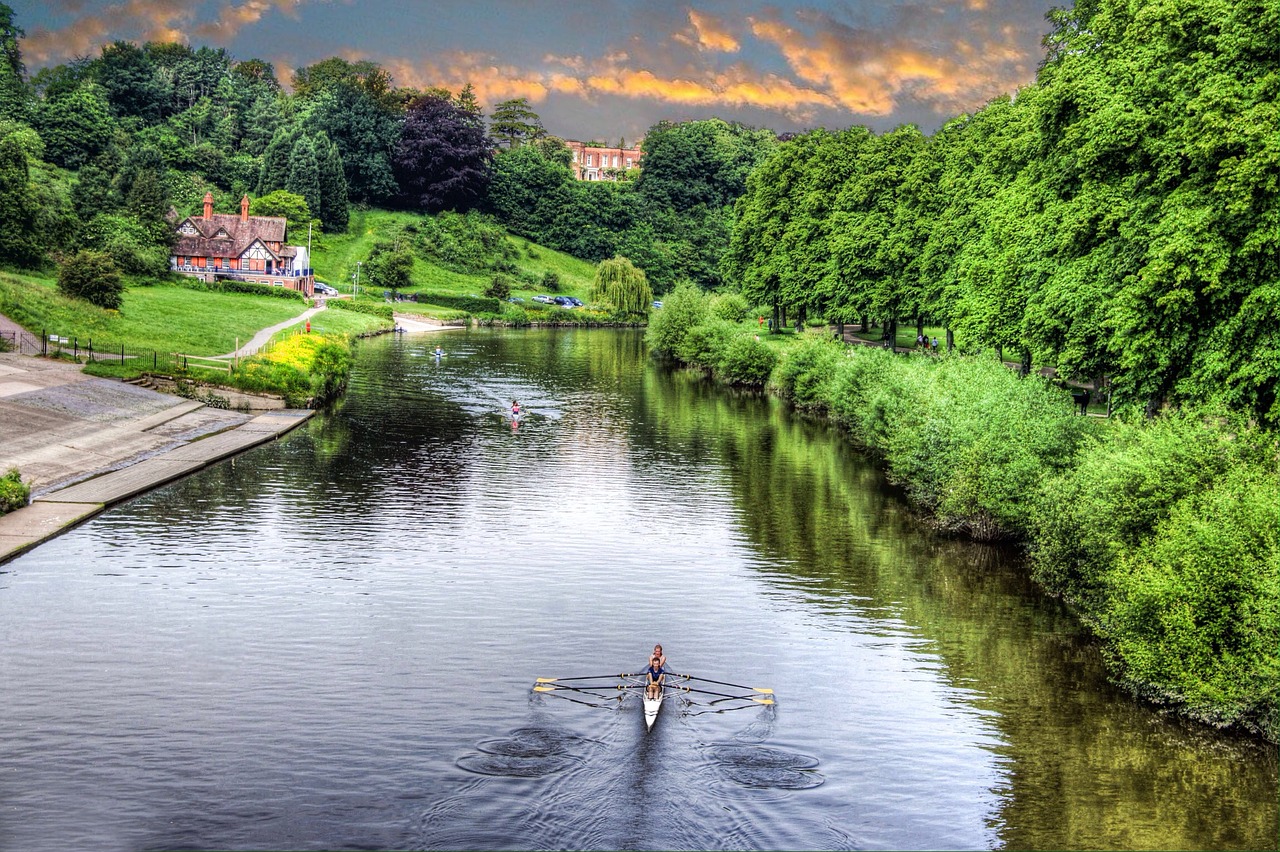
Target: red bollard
<point x="308" y="326"/>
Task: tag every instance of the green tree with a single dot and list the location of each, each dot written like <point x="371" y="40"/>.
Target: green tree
<point x="274" y="173"/>
<point x="618" y="283"/>
<point x="514" y="123"/>
<point x="304" y="173"/>
<point x="133" y="86"/>
<point x="365" y="130"/>
<point x="14" y="96"/>
<point x="334" y="208"/>
<point x="283" y="203"/>
<point x="76" y="126"/>
<point x="92" y="276"/>
<point x="19" y="239"/>
<point x="390" y="265"/>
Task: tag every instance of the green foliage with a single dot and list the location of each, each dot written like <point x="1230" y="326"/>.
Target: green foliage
<point x="19" y="240"/>
<point x="14" y="493"/>
<point x="619" y="284"/>
<point x="291" y="206"/>
<point x="132" y="246"/>
<point x="251" y="288"/>
<point x="746" y="360"/>
<point x="92" y="276"/>
<point x="377" y="309"/>
<point x="805" y="372"/>
<point x="499" y="287"/>
<point x="550" y="282"/>
<point x="682" y="309"/>
<point x="730" y="307"/>
<point x="1193" y="615"/>
<point x="704" y="344"/>
<point x="514" y="123"/>
<point x="389" y="266"/>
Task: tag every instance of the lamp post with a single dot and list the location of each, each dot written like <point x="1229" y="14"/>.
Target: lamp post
<point x="356" y="288"/>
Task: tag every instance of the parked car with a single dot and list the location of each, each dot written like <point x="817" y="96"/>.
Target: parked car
<point x="657" y="304"/>
<point x="325" y="290"/>
<point x="515" y="299"/>
<point x="563" y="301"/>
<point x="546" y="300"/>
<point x="577" y="303"/>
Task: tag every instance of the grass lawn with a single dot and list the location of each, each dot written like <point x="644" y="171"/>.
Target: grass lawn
<point x="155" y="321"/>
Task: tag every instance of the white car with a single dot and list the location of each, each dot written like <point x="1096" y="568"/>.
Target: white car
<point x="546" y="300"/>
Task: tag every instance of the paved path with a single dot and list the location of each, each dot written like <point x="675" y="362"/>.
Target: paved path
<point x="84" y="443"/>
<point x="260" y="339"/>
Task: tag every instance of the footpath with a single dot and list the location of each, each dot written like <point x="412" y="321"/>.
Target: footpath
<point x="86" y="443"/>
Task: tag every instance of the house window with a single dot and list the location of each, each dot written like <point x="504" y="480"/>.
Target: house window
<point x="628" y="162"/>
<point x="591" y="159"/>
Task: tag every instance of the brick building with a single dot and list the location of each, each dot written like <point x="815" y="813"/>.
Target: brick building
<point x="244" y="248"/>
<point x="592" y="163"/>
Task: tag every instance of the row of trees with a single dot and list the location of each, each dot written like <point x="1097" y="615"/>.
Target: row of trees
<point x="1117" y="218"/>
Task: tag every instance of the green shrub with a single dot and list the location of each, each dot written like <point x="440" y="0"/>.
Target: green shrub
<point x="499" y="287"/>
<point x="704" y="345"/>
<point x="683" y="308"/>
<point x="14" y="493"/>
<point x="1193" y="615"/>
<point x="1121" y="485"/>
<point x="730" y="307"/>
<point x="377" y="309"/>
<point x="251" y="288"/>
<point x="466" y="304"/>
<point x="805" y="372"/>
<point x="550" y="282"/>
<point x="747" y="361"/>
<point x="515" y="315"/>
<point x="92" y="276"/>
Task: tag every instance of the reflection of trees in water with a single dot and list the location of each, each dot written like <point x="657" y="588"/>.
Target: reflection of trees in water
<point x="1085" y="766"/>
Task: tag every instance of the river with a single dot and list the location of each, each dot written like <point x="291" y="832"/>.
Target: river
<point x="330" y="642"/>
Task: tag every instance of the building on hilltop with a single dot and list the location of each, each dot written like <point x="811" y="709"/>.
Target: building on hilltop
<point x="219" y="246"/>
<point x="594" y="163"/>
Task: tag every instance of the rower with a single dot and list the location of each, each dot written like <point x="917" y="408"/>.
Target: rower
<point x="662" y="658"/>
<point x="654" y="677"/>
<point x="515" y="410"/>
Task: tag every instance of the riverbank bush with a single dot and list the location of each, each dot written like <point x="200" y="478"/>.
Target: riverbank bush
<point x="14" y="493"/>
<point x="306" y="369"/>
<point x="1164" y="534"/>
<point x="363" y="306"/>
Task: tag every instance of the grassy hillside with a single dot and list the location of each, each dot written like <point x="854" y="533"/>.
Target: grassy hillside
<point x="456" y="255"/>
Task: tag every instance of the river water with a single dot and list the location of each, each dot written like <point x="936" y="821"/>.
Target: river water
<point x="329" y="642"/>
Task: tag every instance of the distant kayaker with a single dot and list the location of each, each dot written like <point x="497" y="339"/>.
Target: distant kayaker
<point x="515" y="410"/>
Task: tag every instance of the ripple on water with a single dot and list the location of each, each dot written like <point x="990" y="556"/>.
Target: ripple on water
<point x="524" y="753"/>
<point x="764" y="767"/>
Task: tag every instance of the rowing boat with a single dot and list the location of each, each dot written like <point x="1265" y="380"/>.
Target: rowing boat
<point x="651" y="708"/>
<point x="610" y="689"/>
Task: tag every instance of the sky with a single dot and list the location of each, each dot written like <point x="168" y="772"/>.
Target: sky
<point x="607" y="69"/>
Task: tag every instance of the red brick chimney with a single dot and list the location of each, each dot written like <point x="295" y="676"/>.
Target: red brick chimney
<point x="244" y="209"/>
<point x="208" y="206"/>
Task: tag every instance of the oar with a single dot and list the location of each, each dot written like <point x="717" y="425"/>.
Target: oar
<point x="584" y="677"/>
<point x="725" y="695"/>
<point x="588" y="690"/>
<point x="723" y="683"/>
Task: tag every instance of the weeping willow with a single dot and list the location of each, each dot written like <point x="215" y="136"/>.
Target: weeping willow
<point x="622" y="285"/>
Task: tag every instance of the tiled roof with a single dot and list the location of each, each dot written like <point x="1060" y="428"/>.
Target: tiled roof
<point x="236" y="235"/>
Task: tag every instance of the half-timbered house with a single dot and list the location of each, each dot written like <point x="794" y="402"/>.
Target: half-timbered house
<point x="219" y="246"/>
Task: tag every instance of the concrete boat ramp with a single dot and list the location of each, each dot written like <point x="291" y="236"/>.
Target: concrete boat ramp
<point x="85" y="443"/>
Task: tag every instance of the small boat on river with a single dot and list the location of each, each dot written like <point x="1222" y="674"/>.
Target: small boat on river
<point x="610" y="690"/>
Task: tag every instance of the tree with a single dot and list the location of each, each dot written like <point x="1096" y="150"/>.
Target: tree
<point x="390" y="265"/>
<point x="282" y="203"/>
<point x="304" y="173"/>
<point x="14" y="97"/>
<point x="76" y="126"/>
<point x="334" y="208"/>
<point x="274" y="173"/>
<point x="92" y="276"/>
<point x="618" y="283"/>
<point x="442" y="159"/>
<point x="365" y="131"/>
<point x="513" y="123"/>
<point x="19" y="239"/>
<point x="132" y="85"/>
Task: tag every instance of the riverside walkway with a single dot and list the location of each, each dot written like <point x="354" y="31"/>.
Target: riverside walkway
<point x="86" y="443"/>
